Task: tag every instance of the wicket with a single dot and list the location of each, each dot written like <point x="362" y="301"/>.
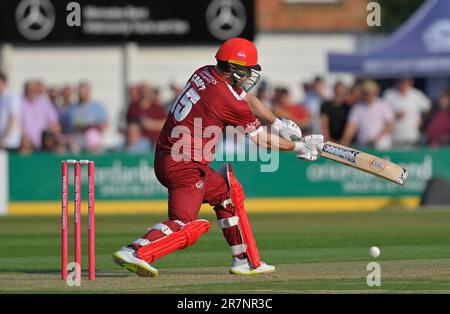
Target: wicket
<point x="77" y="218"/>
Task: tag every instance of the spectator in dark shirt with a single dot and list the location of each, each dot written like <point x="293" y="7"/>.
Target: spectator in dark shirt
<point x="145" y="90"/>
<point x="438" y="130"/>
<point x="354" y="95"/>
<point x="334" y="113"/>
<point x="133" y="94"/>
<point x="157" y="96"/>
<point x="149" y="115"/>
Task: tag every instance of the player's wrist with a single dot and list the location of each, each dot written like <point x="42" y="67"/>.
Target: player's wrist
<point x="278" y="124"/>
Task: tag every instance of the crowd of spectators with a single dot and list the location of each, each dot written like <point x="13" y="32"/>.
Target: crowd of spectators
<point x="402" y="116"/>
<point x="145" y="117"/>
<point x="67" y="118"/>
<point x="64" y="119"/>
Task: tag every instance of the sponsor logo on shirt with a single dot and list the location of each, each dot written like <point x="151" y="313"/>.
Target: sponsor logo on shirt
<point x="198" y="82"/>
<point x="253" y="125"/>
<point x="207" y="76"/>
<point x="199" y="185"/>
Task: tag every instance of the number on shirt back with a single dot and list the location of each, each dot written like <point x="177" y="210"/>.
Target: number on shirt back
<point x="184" y="102"/>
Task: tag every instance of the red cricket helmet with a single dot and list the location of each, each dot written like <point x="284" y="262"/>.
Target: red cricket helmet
<point x="239" y="51"/>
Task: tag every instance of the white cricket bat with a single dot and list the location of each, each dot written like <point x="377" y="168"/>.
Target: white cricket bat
<point x="365" y="162"/>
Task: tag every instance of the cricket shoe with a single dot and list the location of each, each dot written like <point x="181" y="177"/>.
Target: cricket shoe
<point x="126" y="257"/>
<point x="243" y="267"/>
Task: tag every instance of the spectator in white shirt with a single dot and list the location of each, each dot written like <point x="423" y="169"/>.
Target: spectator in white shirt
<point x="371" y="120"/>
<point x="10" y="129"/>
<point x="409" y="105"/>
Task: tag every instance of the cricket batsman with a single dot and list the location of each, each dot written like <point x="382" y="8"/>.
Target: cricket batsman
<point x="215" y="96"/>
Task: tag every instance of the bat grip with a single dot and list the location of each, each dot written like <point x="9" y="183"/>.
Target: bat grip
<point x="296" y="138"/>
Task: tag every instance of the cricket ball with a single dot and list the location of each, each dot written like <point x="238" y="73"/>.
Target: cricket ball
<point x="374" y="251"/>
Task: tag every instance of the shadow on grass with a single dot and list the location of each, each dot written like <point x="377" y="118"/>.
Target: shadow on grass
<point x="57" y="274"/>
<point x="27" y="271"/>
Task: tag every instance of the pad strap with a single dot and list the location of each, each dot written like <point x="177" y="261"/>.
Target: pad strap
<point x="163" y="228"/>
<point x="228" y="222"/>
<point x="226" y="202"/>
<point x="238" y="249"/>
<point x="179" y="222"/>
<point x="142" y="242"/>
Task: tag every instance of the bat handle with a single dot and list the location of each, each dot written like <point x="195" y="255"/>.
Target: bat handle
<point x="320" y="147"/>
<point x="296" y="138"/>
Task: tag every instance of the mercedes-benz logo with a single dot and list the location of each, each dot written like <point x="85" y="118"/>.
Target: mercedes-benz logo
<point x="226" y="18"/>
<point x="35" y="18"/>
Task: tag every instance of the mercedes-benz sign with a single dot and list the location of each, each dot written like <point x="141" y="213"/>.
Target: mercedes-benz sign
<point x="226" y="18"/>
<point x="35" y="18"/>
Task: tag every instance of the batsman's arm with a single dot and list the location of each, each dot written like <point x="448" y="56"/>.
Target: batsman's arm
<point x="261" y="112"/>
<point x="270" y="140"/>
<point x="285" y="127"/>
<point x="303" y="149"/>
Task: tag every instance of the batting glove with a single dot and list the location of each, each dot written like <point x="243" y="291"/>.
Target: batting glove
<point x="317" y="140"/>
<point x="287" y="129"/>
<point x="306" y="151"/>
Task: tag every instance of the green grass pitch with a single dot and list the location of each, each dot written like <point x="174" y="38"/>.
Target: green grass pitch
<point x="319" y="253"/>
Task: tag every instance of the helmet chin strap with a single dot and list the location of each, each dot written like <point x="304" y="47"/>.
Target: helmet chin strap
<point x="236" y="79"/>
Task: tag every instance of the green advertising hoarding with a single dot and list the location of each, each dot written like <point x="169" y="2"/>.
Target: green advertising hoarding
<point x="131" y="177"/>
